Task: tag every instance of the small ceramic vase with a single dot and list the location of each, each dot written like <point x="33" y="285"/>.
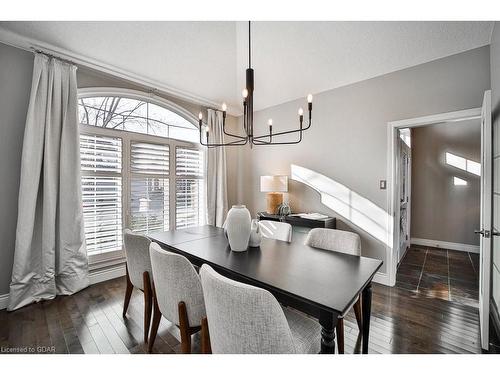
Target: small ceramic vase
<point x="255" y="234"/>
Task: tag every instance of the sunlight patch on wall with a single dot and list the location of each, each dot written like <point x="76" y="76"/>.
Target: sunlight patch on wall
<point x="353" y="207"/>
<point x="463" y="164"/>
<point x="459" y="182"/>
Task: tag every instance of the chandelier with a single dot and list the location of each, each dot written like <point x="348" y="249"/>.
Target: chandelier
<point x="249" y="136"/>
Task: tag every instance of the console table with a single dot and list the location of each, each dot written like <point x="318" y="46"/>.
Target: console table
<point x="297" y="221"/>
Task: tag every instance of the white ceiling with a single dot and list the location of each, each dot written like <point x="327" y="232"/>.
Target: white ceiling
<point x="291" y="59"/>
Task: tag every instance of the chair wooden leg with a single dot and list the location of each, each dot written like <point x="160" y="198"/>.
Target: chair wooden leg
<point x="357" y="312"/>
<point x="155" y="324"/>
<point x="340" y="335"/>
<point x="148" y="304"/>
<point x="184" y="328"/>
<point x="205" y="337"/>
<point x="128" y="293"/>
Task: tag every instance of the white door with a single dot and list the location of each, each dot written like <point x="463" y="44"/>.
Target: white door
<point x="486" y="219"/>
<point x="404" y="197"/>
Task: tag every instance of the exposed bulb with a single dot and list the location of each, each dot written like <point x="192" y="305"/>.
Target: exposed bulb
<point x="309" y="98"/>
<point x="207" y="129"/>
<point x="200" y="116"/>
<point x="270" y="122"/>
<point x="301" y="111"/>
<point x="244" y="93"/>
<point x="224" y="107"/>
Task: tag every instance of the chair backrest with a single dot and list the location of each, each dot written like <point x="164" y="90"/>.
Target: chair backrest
<point x="276" y="230"/>
<point x="335" y="240"/>
<point x="176" y="280"/>
<point x="242" y="318"/>
<point x="137" y="253"/>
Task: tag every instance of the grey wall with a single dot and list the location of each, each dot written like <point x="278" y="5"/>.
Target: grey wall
<point x="440" y="210"/>
<point x="15" y="85"/>
<point x="495" y="107"/>
<point x="348" y="140"/>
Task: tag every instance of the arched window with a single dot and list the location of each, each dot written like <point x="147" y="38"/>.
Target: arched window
<point x="135" y="115"/>
<point x="142" y="167"/>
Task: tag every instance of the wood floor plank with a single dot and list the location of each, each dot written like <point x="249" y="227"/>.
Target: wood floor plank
<point x="54" y="327"/>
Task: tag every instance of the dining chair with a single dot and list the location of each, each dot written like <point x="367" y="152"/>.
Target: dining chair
<point x="276" y="230"/>
<point x="342" y="242"/>
<point x="138" y="273"/>
<point x="245" y="319"/>
<point x="177" y="295"/>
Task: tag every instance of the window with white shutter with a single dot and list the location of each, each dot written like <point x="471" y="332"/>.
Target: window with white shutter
<point x="142" y="168"/>
<point x="149" y="187"/>
<point x="101" y="169"/>
<point x="190" y="207"/>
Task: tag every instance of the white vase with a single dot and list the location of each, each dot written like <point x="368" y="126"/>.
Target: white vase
<point x="238" y="227"/>
<point x="255" y="234"/>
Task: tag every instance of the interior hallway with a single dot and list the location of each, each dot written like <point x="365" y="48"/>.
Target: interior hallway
<point x="440" y="273"/>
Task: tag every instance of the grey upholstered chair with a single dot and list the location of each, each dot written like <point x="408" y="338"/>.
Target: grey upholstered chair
<point x="138" y="273"/>
<point x="245" y="319"/>
<point x="177" y="295"/>
<point x="276" y="229"/>
<point x="342" y="242"/>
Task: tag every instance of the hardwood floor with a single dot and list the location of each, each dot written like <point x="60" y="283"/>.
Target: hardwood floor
<point x="91" y="322"/>
<point x="440" y="273"/>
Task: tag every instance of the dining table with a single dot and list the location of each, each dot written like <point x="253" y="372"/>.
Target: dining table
<point x="320" y="283"/>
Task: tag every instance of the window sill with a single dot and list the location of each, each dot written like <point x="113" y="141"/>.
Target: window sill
<point x="97" y="265"/>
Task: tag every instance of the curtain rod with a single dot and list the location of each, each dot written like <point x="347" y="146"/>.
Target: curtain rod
<point x="37" y="50"/>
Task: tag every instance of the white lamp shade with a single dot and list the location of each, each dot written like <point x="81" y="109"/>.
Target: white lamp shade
<point x="273" y="184"/>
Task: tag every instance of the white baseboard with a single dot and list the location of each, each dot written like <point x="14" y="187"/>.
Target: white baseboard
<point x="98" y="276"/>
<point x="95" y="276"/>
<point x="381" y="278"/>
<point x="4" y="300"/>
<point x="445" y="245"/>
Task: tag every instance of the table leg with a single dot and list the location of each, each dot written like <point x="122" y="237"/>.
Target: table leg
<point x="328" y="321"/>
<point x="366" y="306"/>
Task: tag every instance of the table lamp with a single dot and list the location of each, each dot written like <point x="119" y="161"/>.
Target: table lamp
<point x="274" y="186"/>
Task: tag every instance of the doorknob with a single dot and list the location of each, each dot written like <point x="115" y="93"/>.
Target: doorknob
<point x="485" y="233"/>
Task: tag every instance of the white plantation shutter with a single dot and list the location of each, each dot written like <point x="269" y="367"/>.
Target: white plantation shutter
<point x="189" y="162"/>
<point x="148" y="158"/>
<point x="190" y="207"/>
<point x="101" y="164"/>
<point x="149" y="187"/>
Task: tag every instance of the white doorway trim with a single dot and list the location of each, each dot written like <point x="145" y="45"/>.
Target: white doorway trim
<point x="393" y="183"/>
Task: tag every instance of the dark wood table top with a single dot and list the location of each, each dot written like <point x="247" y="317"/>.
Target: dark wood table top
<point x="328" y="280"/>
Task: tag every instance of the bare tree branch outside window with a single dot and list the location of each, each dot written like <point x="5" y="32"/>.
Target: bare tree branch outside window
<point x="135" y="115"/>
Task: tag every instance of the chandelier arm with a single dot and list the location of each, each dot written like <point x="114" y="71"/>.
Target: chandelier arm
<point x="263" y="143"/>
<point x="230" y="134"/>
<point x="239" y="142"/>
<point x="259" y="142"/>
<point x="234" y="143"/>
<point x="284" y="132"/>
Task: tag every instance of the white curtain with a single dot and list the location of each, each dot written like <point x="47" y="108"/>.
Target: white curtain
<point x="50" y="255"/>
<point x="216" y="176"/>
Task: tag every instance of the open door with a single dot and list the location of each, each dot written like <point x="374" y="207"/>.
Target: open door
<point x="404" y="177"/>
<point x="486" y="219"/>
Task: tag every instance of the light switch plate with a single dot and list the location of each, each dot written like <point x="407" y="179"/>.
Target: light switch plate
<point x="383" y="184"/>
